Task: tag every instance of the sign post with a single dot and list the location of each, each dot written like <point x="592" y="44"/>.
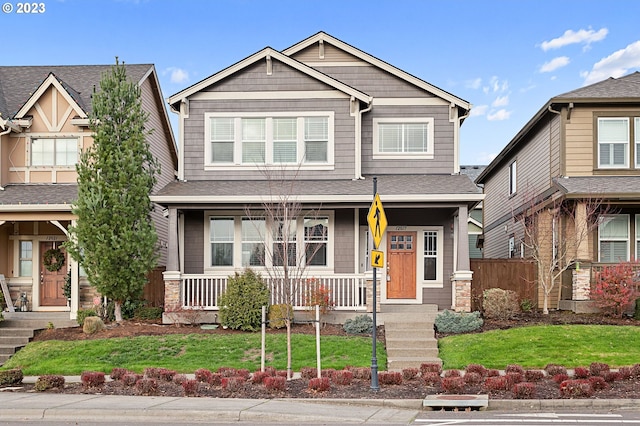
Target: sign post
<point x="377" y="221"/>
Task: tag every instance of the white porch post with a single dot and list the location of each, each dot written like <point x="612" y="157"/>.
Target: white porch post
<point x="462" y="274"/>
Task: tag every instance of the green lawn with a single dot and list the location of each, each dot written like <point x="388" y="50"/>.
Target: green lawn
<point x="537" y="346"/>
<point x="187" y="353"/>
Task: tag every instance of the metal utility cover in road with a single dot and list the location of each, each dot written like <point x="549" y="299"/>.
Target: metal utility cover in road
<point x="377" y="220"/>
<point x="377" y="259"/>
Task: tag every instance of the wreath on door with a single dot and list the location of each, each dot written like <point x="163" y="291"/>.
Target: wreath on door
<point x="53" y="259"/>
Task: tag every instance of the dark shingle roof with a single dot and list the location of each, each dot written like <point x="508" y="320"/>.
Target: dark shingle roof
<point x="472" y="171"/>
<point x="18" y="83"/>
<point x="600" y="186"/>
<point x="611" y="88"/>
<point x="38" y="194"/>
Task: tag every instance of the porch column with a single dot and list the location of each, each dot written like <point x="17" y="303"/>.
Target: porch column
<point x="172" y="275"/>
<point x="462" y="274"/>
<point x="581" y="275"/>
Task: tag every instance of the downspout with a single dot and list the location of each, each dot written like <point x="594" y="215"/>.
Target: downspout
<point x="358" y="131"/>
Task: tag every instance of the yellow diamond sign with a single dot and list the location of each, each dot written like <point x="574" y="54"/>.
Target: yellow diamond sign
<point x="377" y="220"/>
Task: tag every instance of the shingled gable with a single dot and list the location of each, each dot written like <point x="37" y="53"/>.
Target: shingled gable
<point x="51" y="80"/>
<point x="267" y="54"/>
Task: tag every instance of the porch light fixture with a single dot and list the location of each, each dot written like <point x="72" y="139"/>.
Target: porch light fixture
<point x="23" y="302"/>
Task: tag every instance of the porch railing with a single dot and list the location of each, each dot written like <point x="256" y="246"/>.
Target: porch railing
<point x="347" y="292"/>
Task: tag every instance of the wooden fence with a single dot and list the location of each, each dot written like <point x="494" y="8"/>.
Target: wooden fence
<point x="508" y="274"/>
<point x="154" y="290"/>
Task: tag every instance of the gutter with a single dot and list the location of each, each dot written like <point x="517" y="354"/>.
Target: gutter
<point x="358" y="147"/>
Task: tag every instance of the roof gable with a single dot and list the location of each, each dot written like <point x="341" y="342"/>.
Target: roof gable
<point x="51" y="81"/>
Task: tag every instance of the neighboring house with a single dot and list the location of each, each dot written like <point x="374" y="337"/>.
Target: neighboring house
<point x="44" y="125"/>
<point x="580" y="146"/>
<point x="475" y="216"/>
<point x="330" y="117"/>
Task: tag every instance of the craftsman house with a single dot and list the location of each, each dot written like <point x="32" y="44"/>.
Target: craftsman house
<point x="580" y="147"/>
<point x="317" y="122"/>
<point x="44" y="125"/>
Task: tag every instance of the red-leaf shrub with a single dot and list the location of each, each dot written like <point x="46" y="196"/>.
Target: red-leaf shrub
<point x="615" y="288"/>
<point x="390" y="378"/>
<point x="270" y="370"/>
<point x="524" y="390"/>
<point x="166" y="374"/>
<point x="635" y="370"/>
<point x="243" y="372"/>
<point x="512" y="379"/>
<point x="493" y="372"/>
<point x="431" y="379"/>
<point x="598" y="368"/>
<point x="328" y="372"/>
<point x="452" y="373"/>
<point x="453" y="384"/>
<point x="361" y="373"/>
<point x="259" y="376"/>
<point x="282" y="373"/>
<point x="227" y="371"/>
<point x="233" y="384"/>
<point x="215" y="379"/>
<point x="147" y="386"/>
<point x="130" y="379"/>
<point x="612" y="376"/>
<point x="179" y="379"/>
<point x="598" y="383"/>
<point x="581" y="373"/>
<point x="190" y="387"/>
<point x="476" y="368"/>
<point x="308" y="372"/>
<point x="203" y="375"/>
<point x="343" y="377"/>
<point x="117" y="373"/>
<point x="625" y="373"/>
<point x="49" y="381"/>
<point x="580" y="388"/>
<point x="320" y="384"/>
<point x="514" y="368"/>
<point x="495" y="383"/>
<point x="275" y="383"/>
<point x="472" y="378"/>
<point x="533" y="375"/>
<point x="159" y="373"/>
<point x="555" y="369"/>
<point x="430" y="367"/>
<point x="410" y="373"/>
<point x="92" y="379"/>
<point x="559" y="378"/>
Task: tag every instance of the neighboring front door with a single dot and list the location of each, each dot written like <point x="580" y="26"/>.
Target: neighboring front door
<point x="401" y="265"/>
<point x="52" y="282"/>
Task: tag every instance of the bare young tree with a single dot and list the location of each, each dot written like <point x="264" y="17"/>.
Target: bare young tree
<point x="555" y="234"/>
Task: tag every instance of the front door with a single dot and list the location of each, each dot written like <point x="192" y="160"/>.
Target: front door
<point x="52" y="281"/>
<point x="401" y="265"/>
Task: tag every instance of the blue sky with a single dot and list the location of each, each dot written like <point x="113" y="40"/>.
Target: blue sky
<point x="507" y="58"/>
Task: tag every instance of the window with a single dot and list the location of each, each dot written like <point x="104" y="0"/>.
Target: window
<point x="512" y="247"/>
<point x="253" y="234"/>
<point x="316" y="238"/>
<point x="430" y="255"/>
<point x="613" y="142"/>
<point x="274" y="139"/>
<point x="637" y="237"/>
<point x="26" y="258"/>
<point x="54" y="152"/>
<point x="221" y="237"/>
<point x="636" y="132"/>
<point x="284" y="243"/>
<point x="513" y="178"/>
<point x="613" y="239"/>
<point x="403" y="138"/>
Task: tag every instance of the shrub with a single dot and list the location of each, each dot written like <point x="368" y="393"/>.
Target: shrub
<point x="598" y="383"/>
<point x="179" y="379"/>
<point x="317" y="294"/>
<point x="130" y="379"/>
<point x="147" y="313"/>
<point x="492" y="372"/>
<point x="362" y="324"/>
<point x="461" y="322"/>
<point x="612" y="376"/>
<point x="259" y="376"/>
<point x="559" y="378"/>
<point x="275" y="383"/>
<point x="555" y="369"/>
<point x="431" y="378"/>
<point x="227" y="371"/>
<point x="635" y="370"/>
<point x="452" y="373"/>
<point x="244" y="373"/>
<point x="512" y="379"/>
<point x="430" y="367"/>
<point x="500" y="304"/>
<point x="576" y="389"/>
<point x="242" y="302"/>
<point x="233" y="384"/>
<point x="636" y="311"/>
<point x="410" y="373"/>
<point x="203" y="375"/>
<point x="167" y="375"/>
<point x="581" y="373"/>
<point x="117" y="373"/>
<point x="598" y="368"/>
<point x="92" y="325"/>
<point x="524" y="390"/>
<point x="361" y="373"/>
<point x="147" y="386"/>
<point x="84" y="313"/>
<point x="49" y="381"/>
<point x="533" y="375"/>
<point x="328" y="372"/>
<point x="190" y="387"/>
<point x="215" y="379"/>
<point x="319" y="384"/>
<point x="278" y="314"/>
<point x="514" y="368"/>
<point x="526" y="305"/>
<point x="344" y="377"/>
<point x="495" y="383"/>
<point x="11" y="377"/>
<point x="453" y="384"/>
<point x="92" y="379"/>
<point x="625" y="373"/>
<point x="615" y="288"/>
<point x="308" y="372"/>
<point x="472" y="378"/>
<point x="476" y="368"/>
<point x="390" y="378"/>
<point x="159" y="373"/>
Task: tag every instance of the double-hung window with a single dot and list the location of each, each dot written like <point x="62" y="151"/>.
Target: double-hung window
<point x="403" y="138"/>
<point x="54" y="151"/>
<point x="276" y="139"/>
<point x="221" y="237"/>
<point x="613" y="142"/>
<point x="613" y="238"/>
<point x="284" y="243"/>
<point x="316" y="239"/>
<point x="26" y="258"/>
<point x="253" y="234"/>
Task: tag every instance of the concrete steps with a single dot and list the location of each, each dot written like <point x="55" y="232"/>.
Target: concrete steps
<point x="410" y="337"/>
<point x="18" y="329"/>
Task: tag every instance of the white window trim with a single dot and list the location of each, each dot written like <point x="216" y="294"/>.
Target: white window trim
<point x="511" y="249"/>
<point x="636" y="137"/>
<point x="237" y="243"/>
<point x="627" y="151"/>
<point x="429" y="155"/>
<point x="47" y="167"/>
<point x="269" y="165"/>
<point x="438" y="282"/>
<point x="513" y="177"/>
<point x="627" y="240"/>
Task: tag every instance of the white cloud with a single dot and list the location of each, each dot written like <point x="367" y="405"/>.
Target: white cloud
<point x="581" y="36"/>
<point x="473" y="84"/>
<point x="485" y="157"/>
<point x="177" y="75"/>
<point x="501" y="101"/>
<point x="555" y="63"/>
<point x="495" y="86"/>
<point x="615" y="65"/>
<point x="478" y="110"/>
<point x="499" y="115"/>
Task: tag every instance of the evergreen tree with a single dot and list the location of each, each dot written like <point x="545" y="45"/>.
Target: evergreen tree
<point x="114" y="238"/>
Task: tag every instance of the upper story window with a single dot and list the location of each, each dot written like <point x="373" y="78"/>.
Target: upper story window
<point x="513" y="178"/>
<point x="274" y="139"/>
<point x="401" y="138"/>
<point x="54" y="151"/>
<point x="613" y="142"/>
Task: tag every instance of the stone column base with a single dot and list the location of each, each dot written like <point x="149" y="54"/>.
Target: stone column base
<point x="370" y="296"/>
<point x="581" y="284"/>
<point x="461" y="282"/>
<point x="172" y="289"/>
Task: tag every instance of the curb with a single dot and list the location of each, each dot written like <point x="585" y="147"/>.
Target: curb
<point x="556" y="404"/>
